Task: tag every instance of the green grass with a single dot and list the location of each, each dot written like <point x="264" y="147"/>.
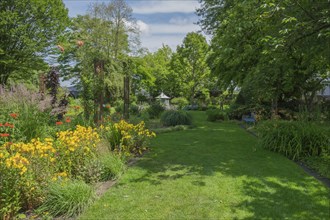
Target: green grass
<point x="213" y="171"/>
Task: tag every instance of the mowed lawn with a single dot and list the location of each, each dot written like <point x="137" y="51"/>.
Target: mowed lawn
<point x="214" y="171"/>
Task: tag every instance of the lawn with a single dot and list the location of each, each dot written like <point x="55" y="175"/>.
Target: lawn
<point x="213" y="171"/>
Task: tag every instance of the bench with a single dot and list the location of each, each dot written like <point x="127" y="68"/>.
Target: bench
<point x="249" y="119"/>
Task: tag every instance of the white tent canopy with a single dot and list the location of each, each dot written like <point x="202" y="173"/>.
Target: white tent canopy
<point x="162" y="96"/>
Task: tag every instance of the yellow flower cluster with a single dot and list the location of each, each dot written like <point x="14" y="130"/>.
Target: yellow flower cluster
<point x="131" y="139"/>
<point x="35" y="147"/>
<point x="126" y="129"/>
<point x="17" y="161"/>
<point x="82" y="137"/>
<point x="62" y="175"/>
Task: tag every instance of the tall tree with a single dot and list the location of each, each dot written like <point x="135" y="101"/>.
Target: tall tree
<point x="279" y="44"/>
<point x="29" y="30"/>
<point x="189" y="67"/>
<point x="105" y="32"/>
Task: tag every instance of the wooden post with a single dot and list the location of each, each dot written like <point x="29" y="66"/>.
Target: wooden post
<point x="42" y="85"/>
<point x="99" y="95"/>
<point x="126" y="91"/>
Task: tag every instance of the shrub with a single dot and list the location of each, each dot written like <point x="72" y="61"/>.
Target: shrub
<point x="216" y="115"/>
<point x="155" y="110"/>
<point x="26" y="168"/>
<point x="26" y="111"/>
<point x="127" y="138"/>
<point x="180" y="102"/>
<point x="134" y="109"/>
<point x="67" y="198"/>
<point x="173" y="118"/>
<point x="237" y="111"/>
<point x="294" y="139"/>
<point x="112" y="166"/>
<point x="119" y="106"/>
<point x="320" y="163"/>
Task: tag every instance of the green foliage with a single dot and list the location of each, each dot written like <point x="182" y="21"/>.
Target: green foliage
<point x="27" y="37"/>
<point x="32" y="113"/>
<point x="216" y="115"/>
<point x="294" y="139"/>
<point x="112" y="166"/>
<point x="173" y="118"/>
<point x="155" y="110"/>
<point x="274" y="51"/>
<point x="190" y="71"/>
<point x="321" y="164"/>
<point x="180" y="102"/>
<point x="67" y="198"/>
<point x="134" y="109"/>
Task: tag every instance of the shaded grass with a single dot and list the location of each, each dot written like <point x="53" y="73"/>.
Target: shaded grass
<point x="213" y="171"/>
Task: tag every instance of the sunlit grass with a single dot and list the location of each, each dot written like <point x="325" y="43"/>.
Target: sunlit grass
<point x="212" y="171"/>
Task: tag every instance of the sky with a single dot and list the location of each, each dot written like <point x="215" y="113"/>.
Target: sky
<point x="160" y="21"/>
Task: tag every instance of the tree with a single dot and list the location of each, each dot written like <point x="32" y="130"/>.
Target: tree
<point x="278" y="45"/>
<point x="189" y="68"/>
<point x="29" y="31"/>
<point x="105" y="32"/>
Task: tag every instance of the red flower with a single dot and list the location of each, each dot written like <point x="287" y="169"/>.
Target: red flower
<point x="9" y="125"/>
<point x="1" y="125"/>
<point x="13" y="115"/>
<point x="4" y="135"/>
<point x="67" y="120"/>
<point x="59" y="123"/>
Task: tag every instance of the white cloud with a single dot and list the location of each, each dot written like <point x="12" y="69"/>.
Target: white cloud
<point x="172" y="28"/>
<point x="183" y="20"/>
<point x="150" y="7"/>
<point x="143" y="27"/>
<point x="153" y="43"/>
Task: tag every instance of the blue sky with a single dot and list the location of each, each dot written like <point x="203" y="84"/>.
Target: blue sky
<point x="160" y="21"/>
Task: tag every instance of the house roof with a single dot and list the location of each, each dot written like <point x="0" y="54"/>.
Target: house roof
<point x="162" y="96"/>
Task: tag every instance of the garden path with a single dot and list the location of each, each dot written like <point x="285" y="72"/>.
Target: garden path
<point x="213" y="171"/>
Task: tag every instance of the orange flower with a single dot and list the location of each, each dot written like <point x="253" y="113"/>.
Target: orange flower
<point x="9" y="125"/>
<point x="4" y="135"/>
<point x="59" y="123"/>
<point x="67" y="120"/>
<point x="1" y="125"/>
<point x="60" y="47"/>
<point x="80" y="43"/>
<point x="13" y="115"/>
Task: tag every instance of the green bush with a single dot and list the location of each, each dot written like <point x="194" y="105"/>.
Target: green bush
<point x="112" y="166"/>
<point x="134" y="109"/>
<point x="294" y="139"/>
<point x="119" y="106"/>
<point x="216" y="115"/>
<point x="67" y="198"/>
<point x="155" y="110"/>
<point x="320" y="163"/>
<point x="27" y="113"/>
<point x="180" y="102"/>
<point x="173" y="118"/>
